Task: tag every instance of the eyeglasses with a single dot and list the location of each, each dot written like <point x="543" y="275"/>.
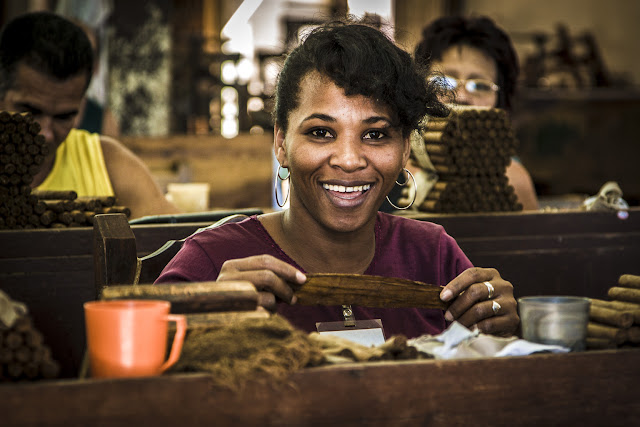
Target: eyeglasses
<point x="477" y="87"/>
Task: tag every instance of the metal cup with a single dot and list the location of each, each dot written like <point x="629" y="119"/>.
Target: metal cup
<point x="557" y="320"/>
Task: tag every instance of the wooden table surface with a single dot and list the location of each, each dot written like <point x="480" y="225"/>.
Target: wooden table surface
<point x="594" y="388"/>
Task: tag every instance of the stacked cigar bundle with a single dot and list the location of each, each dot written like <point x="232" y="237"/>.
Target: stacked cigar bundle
<point x="22" y="152"/>
<point x="616" y="322"/>
<point x="470" y="150"/>
<point x="23" y="354"/>
<point x="65" y="209"/>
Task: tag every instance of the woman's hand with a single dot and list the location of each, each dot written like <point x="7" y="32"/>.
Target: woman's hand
<point x="472" y="304"/>
<point x="271" y="277"/>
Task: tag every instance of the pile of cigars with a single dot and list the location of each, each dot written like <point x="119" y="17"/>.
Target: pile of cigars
<point x="24" y="355"/>
<point x="616" y="323"/>
<point x="22" y="152"/>
<point x="470" y="150"/>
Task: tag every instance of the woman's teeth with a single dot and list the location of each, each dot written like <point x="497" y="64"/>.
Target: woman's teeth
<point x="343" y="189"/>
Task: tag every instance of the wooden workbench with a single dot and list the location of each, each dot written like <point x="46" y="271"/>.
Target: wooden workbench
<point x="576" y="253"/>
<point x="596" y="388"/>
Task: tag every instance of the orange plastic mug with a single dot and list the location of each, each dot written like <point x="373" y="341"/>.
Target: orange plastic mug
<point x="128" y="338"/>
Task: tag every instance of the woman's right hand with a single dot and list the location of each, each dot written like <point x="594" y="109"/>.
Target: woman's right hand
<point x="271" y="277"/>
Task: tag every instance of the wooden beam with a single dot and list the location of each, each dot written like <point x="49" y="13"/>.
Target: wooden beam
<point x="114" y="251"/>
<point x="590" y="388"/>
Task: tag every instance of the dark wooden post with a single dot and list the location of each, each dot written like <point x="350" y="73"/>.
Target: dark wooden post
<point x="114" y="251"/>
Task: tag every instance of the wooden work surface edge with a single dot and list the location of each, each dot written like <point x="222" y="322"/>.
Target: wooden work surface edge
<point x="591" y="388"/>
<point x="75" y="241"/>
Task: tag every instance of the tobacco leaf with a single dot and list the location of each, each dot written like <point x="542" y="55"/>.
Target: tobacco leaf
<point x="368" y="291"/>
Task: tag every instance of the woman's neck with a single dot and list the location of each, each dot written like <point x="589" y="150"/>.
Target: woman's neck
<point x="319" y="250"/>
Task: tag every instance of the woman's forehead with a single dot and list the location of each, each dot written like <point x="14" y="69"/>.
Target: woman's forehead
<point x="468" y="59"/>
<point x="317" y="91"/>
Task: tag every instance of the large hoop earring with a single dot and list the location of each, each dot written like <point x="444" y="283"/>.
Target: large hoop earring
<point x="415" y="190"/>
<point x="275" y="186"/>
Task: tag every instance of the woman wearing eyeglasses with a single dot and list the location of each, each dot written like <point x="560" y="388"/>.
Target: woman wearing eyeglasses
<point x="475" y="60"/>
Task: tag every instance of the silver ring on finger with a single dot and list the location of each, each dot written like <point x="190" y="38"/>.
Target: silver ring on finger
<point x="495" y="307"/>
<point x="490" y="288"/>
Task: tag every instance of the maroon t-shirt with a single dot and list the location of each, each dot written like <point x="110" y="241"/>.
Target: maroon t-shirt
<point x="405" y="248"/>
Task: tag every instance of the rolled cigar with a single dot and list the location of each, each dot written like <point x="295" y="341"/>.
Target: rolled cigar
<point x="608" y="316"/>
<point x="14" y="370"/>
<point x="597" y="330"/>
<point x="33" y="338"/>
<point x="48" y="217"/>
<point x="23" y="324"/>
<point x="436" y="137"/>
<point x="192" y="297"/>
<point x="436" y="149"/>
<point x="22" y="354"/>
<point x="436" y="125"/>
<point x="39" y="207"/>
<point x="49" y="368"/>
<point x="56" y="195"/>
<point x="445" y="169"/>
<point x="40" y="353"/>
<point x="434" y="195"/>
<point x="618" y="305"/>
<point x="88" y="215"/>
<point x="78" y="216"/>
<point x="440" y="160"/>
<point x="56" y="206"/>
<point x="13" y="340"/>
<point x="629" y="281"/>
<point x="27" y="209"/>
<point x="633" y="334"/>
<point x="6" y="355"/>
<point x="599" y="343"/>
<point x="10" y="222"/>
<point x="31" y="370"/>
<point x="442" y="185"/>
<point x="69" y="205"/>
<point x="431" y="205"/>
<point x="624" y="294"/>
<point x="115" y="209"/>
<point x="89" y="204"/>
<point x="65" y="217"/>
<point x="103" y="200"/>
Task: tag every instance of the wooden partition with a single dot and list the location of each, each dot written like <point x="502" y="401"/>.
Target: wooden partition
<point x="595" y="388"/>
<point x="577" y="253"/>
<point x="552" y="253"/>
<point x="51" y="270"/>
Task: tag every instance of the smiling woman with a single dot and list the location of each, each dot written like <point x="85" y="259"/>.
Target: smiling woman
<point x="346" y="102"/>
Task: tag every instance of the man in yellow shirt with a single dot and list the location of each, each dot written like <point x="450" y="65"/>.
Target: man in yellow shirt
<point x="45" y="68"/>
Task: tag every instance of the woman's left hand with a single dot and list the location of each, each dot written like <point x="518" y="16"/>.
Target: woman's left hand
<point x="481" y="297"/>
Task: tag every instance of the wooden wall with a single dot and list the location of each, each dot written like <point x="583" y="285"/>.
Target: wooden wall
<point x="239" y="170"/>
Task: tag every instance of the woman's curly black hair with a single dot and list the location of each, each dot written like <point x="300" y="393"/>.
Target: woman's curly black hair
<point x="361" y="60"/>
<point x="480" y="33"/>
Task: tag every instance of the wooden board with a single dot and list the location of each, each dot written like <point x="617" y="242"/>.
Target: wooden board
<point x="594" y="388"/>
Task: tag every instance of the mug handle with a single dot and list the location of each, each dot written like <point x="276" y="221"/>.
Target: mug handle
<point x="178" y="340"/>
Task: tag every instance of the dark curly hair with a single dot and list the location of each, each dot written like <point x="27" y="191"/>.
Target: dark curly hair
<point x="47" y="42"/>
<point x="361" y="60"/>
<point x="480" y="33"/>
